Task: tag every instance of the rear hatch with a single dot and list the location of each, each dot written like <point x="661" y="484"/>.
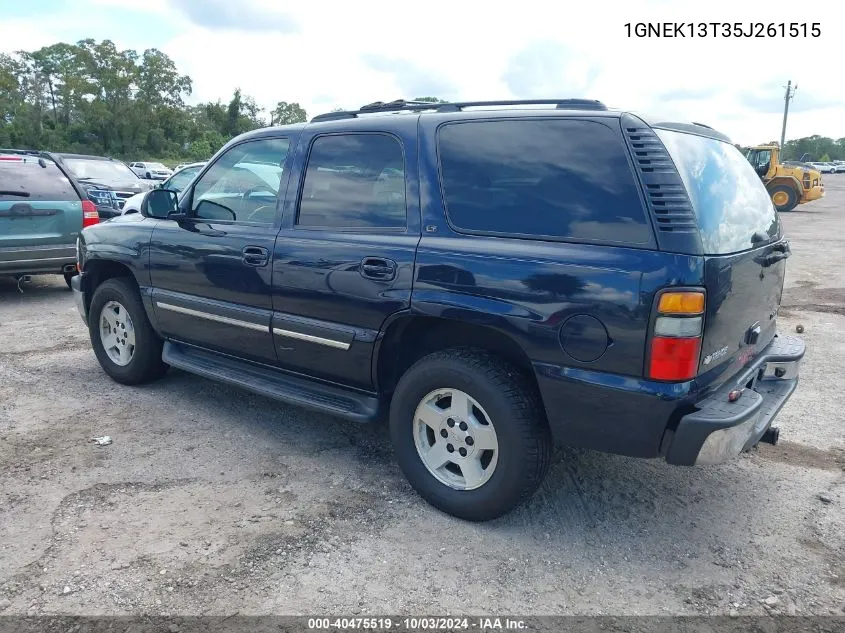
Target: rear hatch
<point x="745" y="252"/>
<point x="38" y="204"/>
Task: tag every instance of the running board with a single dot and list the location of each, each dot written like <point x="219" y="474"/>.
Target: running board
<point x="272" y="383"/>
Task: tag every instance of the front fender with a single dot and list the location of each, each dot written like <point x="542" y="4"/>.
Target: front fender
<point x="125" y="240"/>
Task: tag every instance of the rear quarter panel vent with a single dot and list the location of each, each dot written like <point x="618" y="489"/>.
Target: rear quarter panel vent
<point x="664" y="192"/>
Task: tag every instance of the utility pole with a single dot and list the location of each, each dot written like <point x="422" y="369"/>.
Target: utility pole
<point x="790" y="93"/>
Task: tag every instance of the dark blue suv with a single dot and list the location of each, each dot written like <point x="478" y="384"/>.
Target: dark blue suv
<point x="490" y="277"/>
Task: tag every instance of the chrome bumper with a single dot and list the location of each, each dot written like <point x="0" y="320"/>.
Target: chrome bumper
<point x="719" y="429"/>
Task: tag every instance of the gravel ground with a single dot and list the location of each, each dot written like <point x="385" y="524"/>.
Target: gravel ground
<point x="214" y="501"/>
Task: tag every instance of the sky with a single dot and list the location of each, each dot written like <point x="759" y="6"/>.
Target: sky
<point x="345" y="54"/>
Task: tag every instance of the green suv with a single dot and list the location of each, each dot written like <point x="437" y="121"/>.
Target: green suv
<point x="42" y="210"/>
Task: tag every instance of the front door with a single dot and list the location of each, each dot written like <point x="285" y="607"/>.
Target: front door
<point x="211" y="273"/>
<point x="344" y="259"/>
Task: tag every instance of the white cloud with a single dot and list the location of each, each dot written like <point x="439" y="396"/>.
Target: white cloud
<point x="347" y="54"/>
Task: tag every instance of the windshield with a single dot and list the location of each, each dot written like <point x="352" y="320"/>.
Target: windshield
<point x="270" y="174"/>
<point x="84" y="168"/>
<point x="732" y="206"/>
<point x="156" y="166"/>
<point x="183" y="178"/>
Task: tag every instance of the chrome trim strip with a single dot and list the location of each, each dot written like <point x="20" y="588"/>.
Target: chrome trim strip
<point x="213" y="317"/>
<point x="311" y="339"/>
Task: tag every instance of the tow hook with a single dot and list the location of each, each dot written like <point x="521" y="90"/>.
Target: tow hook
<point x="771" y="435"/>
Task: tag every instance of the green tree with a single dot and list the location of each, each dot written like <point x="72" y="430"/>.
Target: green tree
<point x="285" y="113"/>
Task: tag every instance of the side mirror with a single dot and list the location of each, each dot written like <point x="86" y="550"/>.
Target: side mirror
<point x="160" y="203"/>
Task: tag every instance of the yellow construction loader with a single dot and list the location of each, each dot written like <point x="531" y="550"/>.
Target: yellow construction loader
<point x="788" y="185"/>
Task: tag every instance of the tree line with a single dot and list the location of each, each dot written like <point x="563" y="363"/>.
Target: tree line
<point x="809" y="149"/>
<point x="92" y="98"/>
<point x="814" y="148"/>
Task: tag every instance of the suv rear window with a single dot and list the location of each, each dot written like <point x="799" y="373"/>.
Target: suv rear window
<point x="556" y="179"/>
<point x="730" y="201"/>
<point x="40" y="183"/>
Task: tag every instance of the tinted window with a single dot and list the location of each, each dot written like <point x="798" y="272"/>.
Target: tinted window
<point x="243" y="184"/>
<point x="31" y="182"/>
<point x="555" y="178"/>
<point x="730" y="201"/>
<point x="354" y="181"/>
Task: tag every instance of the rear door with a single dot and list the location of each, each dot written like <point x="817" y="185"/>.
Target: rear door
<point x="344" y="260"/>
<point x="745" y="252"/>
<point x="40" y="211"/>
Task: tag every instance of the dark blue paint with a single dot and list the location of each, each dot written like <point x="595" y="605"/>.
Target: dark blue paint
<point x="590" y="372"/>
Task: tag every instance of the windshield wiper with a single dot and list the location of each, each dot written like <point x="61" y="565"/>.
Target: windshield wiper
<point x="22" y="194"/>
<point x="87" y="178"/>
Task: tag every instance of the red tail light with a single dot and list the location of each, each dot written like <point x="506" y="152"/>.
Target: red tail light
<point x="89" y="214"/>
<point x="674" y="358"/>
<point x="676" y="336"/>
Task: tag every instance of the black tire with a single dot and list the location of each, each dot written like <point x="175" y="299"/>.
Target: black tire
<point x="791" y="203"/>
<point x="69" y="276"/>
<point x="149" y="176"/>
<point x="524" y="439"/>
<point x="146" y="363"/>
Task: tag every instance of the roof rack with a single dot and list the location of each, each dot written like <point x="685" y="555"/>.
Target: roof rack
<point x="40" y="155"/>
<point x="400" y="105"/>
<point x="23" y="152"/>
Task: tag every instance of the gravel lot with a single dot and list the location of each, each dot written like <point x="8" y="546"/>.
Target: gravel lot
<point x="215" y="501"/>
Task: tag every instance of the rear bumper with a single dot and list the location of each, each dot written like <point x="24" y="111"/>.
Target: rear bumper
<point x="719" y="429"/>
<point x="813" y="193"/>
<point x="52" y="258"/>
<point x="643" y="418"/>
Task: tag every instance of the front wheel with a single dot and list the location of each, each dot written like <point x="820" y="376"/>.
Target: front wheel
<point x="469" y="433"/>
<point x="784" y="198"/>
<point x="125" y="343"/>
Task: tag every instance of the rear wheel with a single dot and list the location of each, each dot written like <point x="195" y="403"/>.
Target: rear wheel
<point x="125" y="343"/>
<point x="69" y="276"/>
<point x="784" y="198"/>
<point x="469" y="433"/>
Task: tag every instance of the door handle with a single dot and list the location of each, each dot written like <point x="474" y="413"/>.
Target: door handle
<point x="255" y="256"/>
<point x="378" y="268"/>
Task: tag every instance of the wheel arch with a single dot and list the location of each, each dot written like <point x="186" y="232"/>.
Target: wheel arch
<point x="99" y="270"/>
<point x="409" y="337"/>
<point x="789" y="181"/>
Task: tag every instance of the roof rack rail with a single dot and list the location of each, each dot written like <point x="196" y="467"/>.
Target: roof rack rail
<point x="401" y="105"/>
<point x="23" y="152"/>
<point x="35" y="153"/>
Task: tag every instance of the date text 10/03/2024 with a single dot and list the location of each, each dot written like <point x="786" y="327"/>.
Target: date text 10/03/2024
<point x="723" y="29"/>
<point x="418" y="623"/>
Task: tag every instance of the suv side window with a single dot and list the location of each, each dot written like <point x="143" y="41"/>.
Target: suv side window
<point x="243" y="184"/>
<point x="541" y="178"/>
<point x="354" y="181"/>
